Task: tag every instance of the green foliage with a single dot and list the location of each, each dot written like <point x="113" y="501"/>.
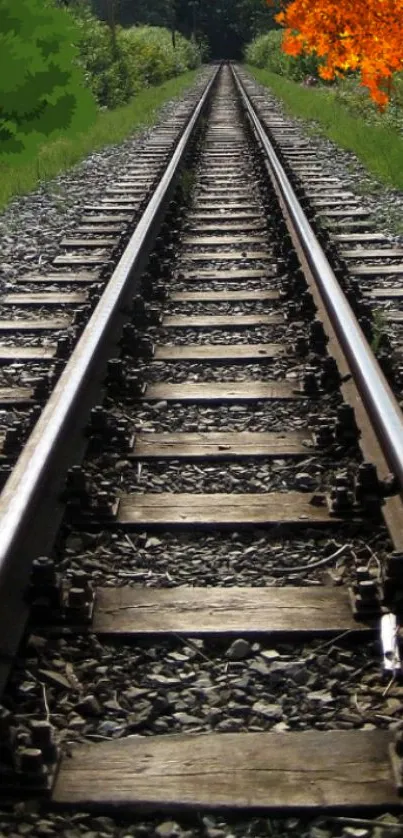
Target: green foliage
<point x="150" y="56"/>
<point x="105" y="70"/>
<point x="265" y="52"/>
<point x="376" y="144"/>
<point x="219" y="27"/>
<point x="19" y="176"/>
<point x="118" y="63"/>
<point x="42" y="90"/>
<point x="354" y="98"/>
<point x="379" y="330"/>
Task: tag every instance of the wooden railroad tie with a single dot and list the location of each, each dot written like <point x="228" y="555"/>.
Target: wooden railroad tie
<point x="79" y="277"/>
<point x="271" y="771"/>
<point x="39" y="324"/>
<point x="235" y="275"/>
<point x="223" y="296"/>
<point x="168" y="509"/>
<point x="227" y="391"/>
<point x="221" y="445"/>
<point x="220" y="321"/>
<point x="237" y="353"/>
<point x="239" y="611"/>
<point x="9" y="354"/>
<point x="46" y="298"/>
<point x="385" y="293"/>
<point x="376" y="270"/>
<point x="16" y="396"/>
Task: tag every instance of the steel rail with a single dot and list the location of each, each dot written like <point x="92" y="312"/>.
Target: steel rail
<point x="378" y="399"/>
<point x="29" y="501"/>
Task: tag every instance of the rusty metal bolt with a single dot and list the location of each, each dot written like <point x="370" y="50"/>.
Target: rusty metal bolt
<point x="63" y="347"/>
<point x="104" y="503"/>
<point x="310" y="384"/>
<point x="340" y="498"/>
<point x="307" y="305"/>
<point x="367" y="478"/>
<point x="395" y="564"/>
<point x="94" y="291"/>
<point x="342" y="480"/>
<point x="31" y="761"/>
<point x="5" y="718"/>
<point x="98" y="419"/>
<point x="81" y="579"/>
<point x="367" y="589"/>
<point x="115" y="371"/>
<point x="81" y="316"/>
<point x="330" y="376"/>
<point x="136" y="385"/>
<point x="317" y="337"/>
<point x="153" y="315"/>
<point x="323" y="432"/>
<point x="298" y="282"/>
<point x="41" y="388"/>
<point x="42" y="738"/>
<point x="43" y="573"/>
<point x="76" y="598"/>
<point x="301" y="346"/>
<point x="362" y="573"/>
<point x="57" y="369"/>
<point x="76" y="481"/>
<point x="346" y="416"/>
<point x="14" y="438"/>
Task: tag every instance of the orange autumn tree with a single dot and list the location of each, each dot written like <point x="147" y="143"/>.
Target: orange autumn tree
<point x="361" y="35"/>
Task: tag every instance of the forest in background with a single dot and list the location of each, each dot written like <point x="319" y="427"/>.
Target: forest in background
<point x="222" y="27"/>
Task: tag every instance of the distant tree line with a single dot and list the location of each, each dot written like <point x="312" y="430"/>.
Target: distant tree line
<point x="222" y="26"/>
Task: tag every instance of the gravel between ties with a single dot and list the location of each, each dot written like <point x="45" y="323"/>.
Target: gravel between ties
<point x="211" y="679"/>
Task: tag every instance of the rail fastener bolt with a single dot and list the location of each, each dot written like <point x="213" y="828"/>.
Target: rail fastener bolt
<point x="301" y="346"/>
<point x="64" y="346"/>
<point x="341" y="498"/>
<point x="8" y="741"/>
<point x="317" y="337"/>
<point x="78" y="606"/>
<point x="323" y="433"/>
<point x="42" y="738"/>
<point x="367" y="488"/>
<point x="33" y="770"/>
<point x="393" y="582"/>
<point x="44" y="589"/>
<point x="310" y="383"/>
<point x="346" y="429"/>
<point x="330" y="378"/>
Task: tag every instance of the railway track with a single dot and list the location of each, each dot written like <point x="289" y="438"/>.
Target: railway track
<point x="204" y="533"/>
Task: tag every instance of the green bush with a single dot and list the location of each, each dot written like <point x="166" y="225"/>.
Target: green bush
<point x="150" y="56"/>
<point x="265" y="52"/>
<point x="117" y="68"/>
<point x="105" y="70"/>
<point x="43" y="93"/>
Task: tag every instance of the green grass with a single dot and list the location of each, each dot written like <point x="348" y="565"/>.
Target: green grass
<point x="378" y="146"/>
<point x="379" y="329"/>
<point x="111" y="127"/>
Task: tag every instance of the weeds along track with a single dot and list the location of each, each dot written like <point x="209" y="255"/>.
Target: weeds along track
<point x="202" y="537"/>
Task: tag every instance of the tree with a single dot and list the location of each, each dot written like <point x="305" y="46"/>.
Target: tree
<point x="350" y="35"/>
<point x="225" y="25"/>
<point x="42" y="90"/>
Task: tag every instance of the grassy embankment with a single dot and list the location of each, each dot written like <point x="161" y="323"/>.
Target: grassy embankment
<point x="111" y="127"/>
<point x="345" y="115"/>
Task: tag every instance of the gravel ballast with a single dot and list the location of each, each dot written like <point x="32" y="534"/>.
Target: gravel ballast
<point x="92" y="690"/>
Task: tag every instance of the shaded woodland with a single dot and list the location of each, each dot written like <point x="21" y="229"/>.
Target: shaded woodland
<point x="221" y="27"/>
